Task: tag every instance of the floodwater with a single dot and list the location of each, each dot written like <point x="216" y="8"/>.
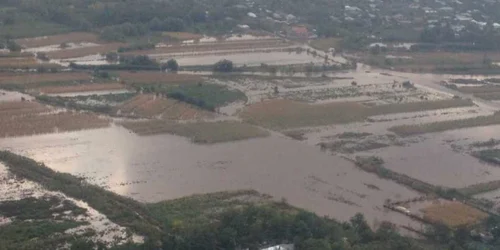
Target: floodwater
<point x="106" y="231"/>
<point x="160" y="167"/>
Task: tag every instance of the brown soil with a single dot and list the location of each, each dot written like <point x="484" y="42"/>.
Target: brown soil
<point x="285" y="114"/>
<point x="12" y="78"/>
<point x="156" y="77"/>
<point x="80" y="52"/>
<point x="58" y="39"/>
<point x="81" y="88"/>
<point x="11" y="109"/>
<point x="29" y="118"/>
<point x="18" y="62"/>
<point x="149" y="106"/>
<point x="453" y="214"/>
<point x="201" y="132"/>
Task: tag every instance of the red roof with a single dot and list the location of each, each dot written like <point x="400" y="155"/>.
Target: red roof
<point x="302" y="30"/>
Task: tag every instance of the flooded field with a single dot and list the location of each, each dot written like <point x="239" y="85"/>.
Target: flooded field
<point x="155" y="168"/>
<point x="294" y="136"/>
<point x="85" y="218"/>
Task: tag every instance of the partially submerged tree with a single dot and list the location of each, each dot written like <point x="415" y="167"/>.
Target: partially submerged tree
<point x="223" y="66"/>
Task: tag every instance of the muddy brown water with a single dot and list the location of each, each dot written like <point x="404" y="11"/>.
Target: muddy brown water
<point x="161" y="167"/>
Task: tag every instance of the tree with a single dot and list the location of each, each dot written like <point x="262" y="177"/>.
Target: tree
<point x="362" y="228"/>
<point x="316" y="244"/>
<point x="13" y="46"/>
<point x="172" y="65"/>
<point x="112" y="57"/>
<point x="223" y="66"/>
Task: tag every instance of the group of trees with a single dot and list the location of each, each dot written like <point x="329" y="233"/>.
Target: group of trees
<point x="255" y="226"/>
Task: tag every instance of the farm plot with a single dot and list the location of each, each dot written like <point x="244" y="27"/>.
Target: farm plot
<point x="486" y="92"/>
<point x="29" y="118"/>
<point x="85" y="51"/>
<point x="73" y="37"/>
<point x="373" y="94"/>
<point x="81" y="88"/>
<point x="417" y="129"/>
<point x="201" y="132"/>
<point x="284" y="114"/>
<point x="453" y="214"/>
<point x="10" y="109"/>
<point x="220" y="46"/>
<point x="36" y="78"/>
<point x="156" y="77"/>
<point x="149" y="106"/>
<point x="18" y="62"/>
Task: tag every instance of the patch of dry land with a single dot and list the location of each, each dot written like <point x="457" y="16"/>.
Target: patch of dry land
<point x="30" y="78"/>
<point x="200" y="132"/>
<point x="326" y="43"/>
<point x="429" y="61"/>
<point x="72" y="37"/>
<point x="285" y="114"/>
<point x="18" y="62"/>
<point x="453" y="214"/>
<point x="29" y="118"/>
<point x="219" y="46"/>
<point x="147" y="77"/>
<point x="81" y="88"/>
<point x="152" y="106"/>
<point x="81" y="52"/>
<point x="182" y="36"/>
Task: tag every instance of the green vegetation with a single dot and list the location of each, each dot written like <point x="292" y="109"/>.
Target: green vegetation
<point x="417" y="129"/>
<point x="123" y="211"/>
<point x="283" y="114"/>
<point x="199" y="132"/>
<point x="374" y="164"/>
<point x="203" y="209"/>
<point x="95" y="103"/>
<point x="353" y="135"/>
<point x="489" y="155"/>
<point x="36" y="234"/>
<point x="480" y="188"/>
<point x="228" y="220"/>
<point x="224" y="66"/>
<point x="203" y="95"/>
<point x="489" y="143"/>
<point x="172" y="65"/>
<point x="39" y="209"/>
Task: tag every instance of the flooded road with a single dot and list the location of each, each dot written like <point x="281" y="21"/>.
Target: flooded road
<point x="163" y="167"/>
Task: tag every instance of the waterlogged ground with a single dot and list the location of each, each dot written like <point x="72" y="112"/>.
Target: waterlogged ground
<point x="160" y="167"/>
<point x="105" y="231"/>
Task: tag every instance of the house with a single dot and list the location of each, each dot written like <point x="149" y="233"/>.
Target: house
<point x="300" y="31"/>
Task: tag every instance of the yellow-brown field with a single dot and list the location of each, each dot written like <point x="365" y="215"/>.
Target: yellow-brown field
<point x="453" y="214"/>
